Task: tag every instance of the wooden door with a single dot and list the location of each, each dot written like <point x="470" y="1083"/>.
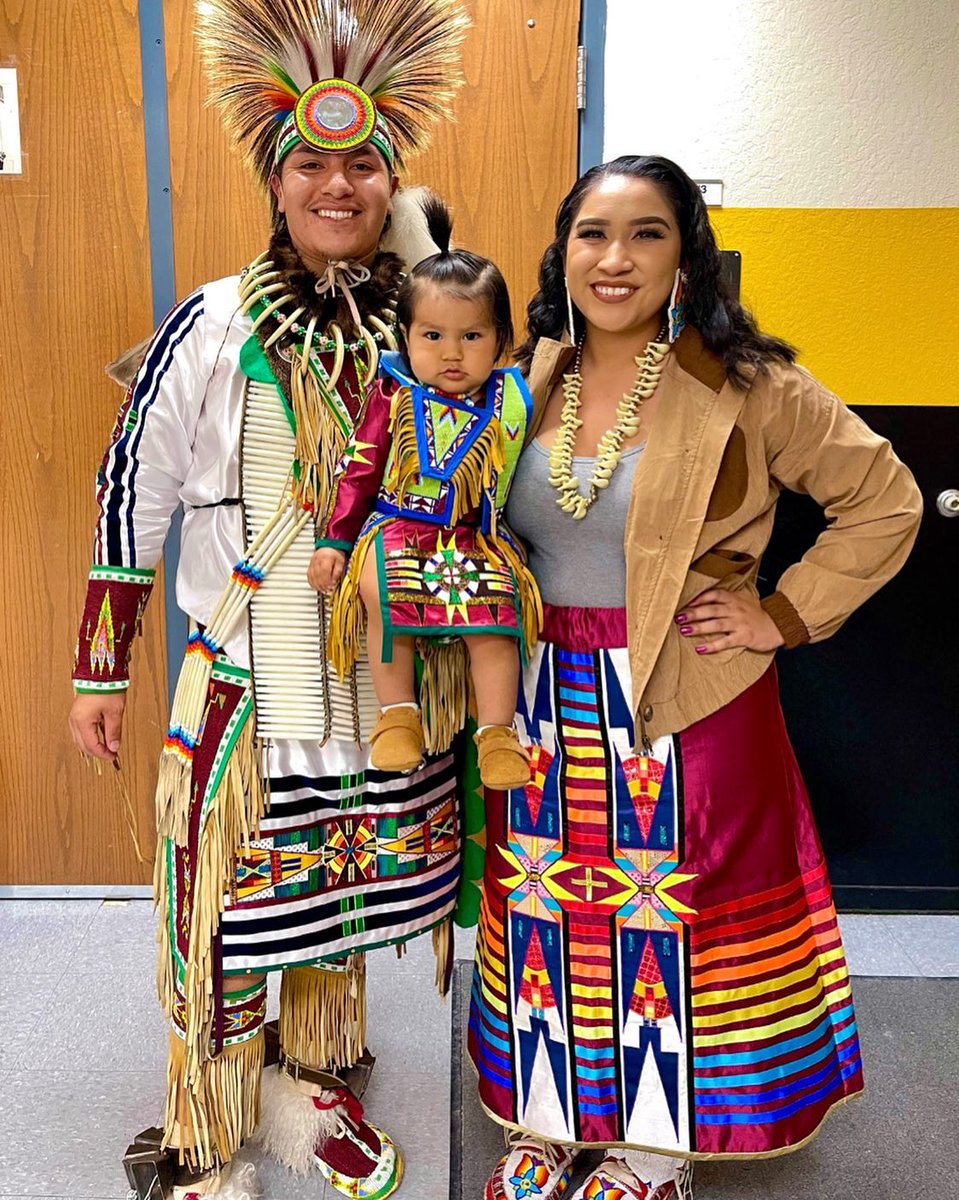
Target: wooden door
<point x="504" y="165"/>
<point x="74" y="290"/>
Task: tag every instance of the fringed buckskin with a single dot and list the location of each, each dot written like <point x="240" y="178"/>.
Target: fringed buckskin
<point x="503" y="761"/>
<point x="396" y="743"/>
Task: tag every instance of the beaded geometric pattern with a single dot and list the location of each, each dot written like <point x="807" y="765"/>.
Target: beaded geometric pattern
<point x="435" y="580"/>
<point x="103" y="643"/>
<point x="343" y="853"/>
<point x="445" y="431"/>
<point x="335" y="115"/>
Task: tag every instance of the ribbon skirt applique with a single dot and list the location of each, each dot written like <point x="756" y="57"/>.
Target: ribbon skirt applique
<point x="658" y="961"/>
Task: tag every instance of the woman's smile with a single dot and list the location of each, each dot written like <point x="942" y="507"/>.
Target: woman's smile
<point x="612" y="293"/>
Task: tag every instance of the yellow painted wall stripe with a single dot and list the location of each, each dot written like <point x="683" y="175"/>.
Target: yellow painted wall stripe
<point x="869" y="295"/>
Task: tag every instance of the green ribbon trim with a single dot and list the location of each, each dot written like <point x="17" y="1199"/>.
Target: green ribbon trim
<point x="256" y="366"/>
<point x="122" y="574"/>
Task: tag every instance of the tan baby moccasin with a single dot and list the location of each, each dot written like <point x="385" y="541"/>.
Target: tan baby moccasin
<point x="503" y="761"/>
<point x="396" y="743"/>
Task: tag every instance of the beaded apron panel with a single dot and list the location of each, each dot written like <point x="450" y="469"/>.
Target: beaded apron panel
<point x="298" y="693"/>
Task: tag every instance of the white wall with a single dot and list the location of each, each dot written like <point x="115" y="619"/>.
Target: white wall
<point x="792" y="103"/>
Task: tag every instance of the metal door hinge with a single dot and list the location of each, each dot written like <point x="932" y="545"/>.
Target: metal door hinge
<point x="580" y="77"/>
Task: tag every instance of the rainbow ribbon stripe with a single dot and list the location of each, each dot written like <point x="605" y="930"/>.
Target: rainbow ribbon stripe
<point x="773" y="1024"/>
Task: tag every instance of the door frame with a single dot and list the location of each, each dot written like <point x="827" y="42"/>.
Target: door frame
<point x="592" y="117"/>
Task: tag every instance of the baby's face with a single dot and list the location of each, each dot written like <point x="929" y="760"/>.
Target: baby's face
<point x="451" y="341"/>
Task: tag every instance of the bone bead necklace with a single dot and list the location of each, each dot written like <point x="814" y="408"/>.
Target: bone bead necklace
<point x="610" y="448"/>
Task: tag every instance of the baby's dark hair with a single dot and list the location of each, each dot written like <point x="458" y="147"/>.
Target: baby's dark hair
<point x="461" y="273"/>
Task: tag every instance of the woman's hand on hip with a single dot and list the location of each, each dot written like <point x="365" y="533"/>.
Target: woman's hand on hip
<point x="728" y="621"/>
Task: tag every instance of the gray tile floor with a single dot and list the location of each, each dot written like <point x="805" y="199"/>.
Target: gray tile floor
<point x="82" y="1043"/>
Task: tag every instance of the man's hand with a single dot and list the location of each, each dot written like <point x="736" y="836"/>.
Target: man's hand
<point x="728" y="620"/>
<point x="326" y="569"/>
<point x="96" y="722"/>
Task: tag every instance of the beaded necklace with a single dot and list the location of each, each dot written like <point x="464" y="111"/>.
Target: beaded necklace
<point x="610" y="448"/>
<point x="260" y="282"/>
<point x="321" y="418"/>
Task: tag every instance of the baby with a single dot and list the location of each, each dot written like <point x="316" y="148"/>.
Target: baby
<point x="417" y="508"/>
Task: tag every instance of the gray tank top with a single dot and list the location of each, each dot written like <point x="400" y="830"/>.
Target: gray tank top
<point x="580" y="564"/>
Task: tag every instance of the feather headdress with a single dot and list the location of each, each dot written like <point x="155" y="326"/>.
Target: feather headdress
<point x="333" y="74"/>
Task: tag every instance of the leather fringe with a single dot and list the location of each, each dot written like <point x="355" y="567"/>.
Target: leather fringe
<point x="347" y="614"/>
<point x="231" y="823"/>
<point x="531" y="603"/>
<point x="209" y="1117"/>
<point x="443" y="950"/>
<point x="323" y="1014"/>
<point x="319" y="441"/>
<point x="444" y="691"/>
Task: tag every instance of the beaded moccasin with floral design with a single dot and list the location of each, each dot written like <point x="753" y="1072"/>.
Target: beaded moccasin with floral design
<point x="614" y="1179"/>
<point x="531" y="1170"/>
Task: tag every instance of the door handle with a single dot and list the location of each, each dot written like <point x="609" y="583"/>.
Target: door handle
<point x="948" y="503"/>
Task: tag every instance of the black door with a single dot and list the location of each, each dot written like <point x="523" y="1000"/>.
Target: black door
<point x="873" y="711"/>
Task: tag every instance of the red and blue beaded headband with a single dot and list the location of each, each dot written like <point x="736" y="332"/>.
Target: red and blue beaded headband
<point x="334" y="115"/>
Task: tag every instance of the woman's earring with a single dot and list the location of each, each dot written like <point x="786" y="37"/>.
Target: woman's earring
<point x="569" y="310"/>
<point x="676" y="313"/>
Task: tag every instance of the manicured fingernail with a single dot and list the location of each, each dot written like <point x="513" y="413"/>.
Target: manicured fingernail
<point x="682" y="617"/>
<point x="702" y="649"/>
<point x="685" y="629"/>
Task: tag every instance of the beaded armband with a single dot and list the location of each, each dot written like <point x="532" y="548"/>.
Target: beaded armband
<point x="116" y="598"/>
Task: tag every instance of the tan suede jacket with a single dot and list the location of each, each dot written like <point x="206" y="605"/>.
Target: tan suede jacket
<point x="702" y="509"/>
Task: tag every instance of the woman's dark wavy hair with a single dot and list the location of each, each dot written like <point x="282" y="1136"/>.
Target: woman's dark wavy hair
<point x="726" y="327"/>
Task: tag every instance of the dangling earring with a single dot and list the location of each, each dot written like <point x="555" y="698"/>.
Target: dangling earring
<point x="569" y="310"/>
<point x="676" y="313"/>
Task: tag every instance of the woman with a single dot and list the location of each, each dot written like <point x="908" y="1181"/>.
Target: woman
<point x="659" y="969"/>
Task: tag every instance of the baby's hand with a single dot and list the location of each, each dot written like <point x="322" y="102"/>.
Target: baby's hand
<point x="326" y="569"/>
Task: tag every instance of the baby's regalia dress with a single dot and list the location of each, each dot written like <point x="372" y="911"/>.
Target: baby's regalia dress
<point x="423" y="485"/>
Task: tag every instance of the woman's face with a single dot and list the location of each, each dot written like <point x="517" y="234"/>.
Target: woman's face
<point x="622" y="255"/>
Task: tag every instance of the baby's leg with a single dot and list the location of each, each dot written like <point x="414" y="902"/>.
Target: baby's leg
<point x="395" y="681"/>
<point x="494" y="662"/>
<point x="396" y="743"/>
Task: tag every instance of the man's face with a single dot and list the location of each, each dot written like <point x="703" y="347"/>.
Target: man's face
<point x="335" y="204"/>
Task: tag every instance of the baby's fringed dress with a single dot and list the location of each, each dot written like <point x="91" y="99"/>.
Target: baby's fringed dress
<point x="422" y="488"/>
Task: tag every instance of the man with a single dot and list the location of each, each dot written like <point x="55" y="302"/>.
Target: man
<point x="241" y="409"/>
